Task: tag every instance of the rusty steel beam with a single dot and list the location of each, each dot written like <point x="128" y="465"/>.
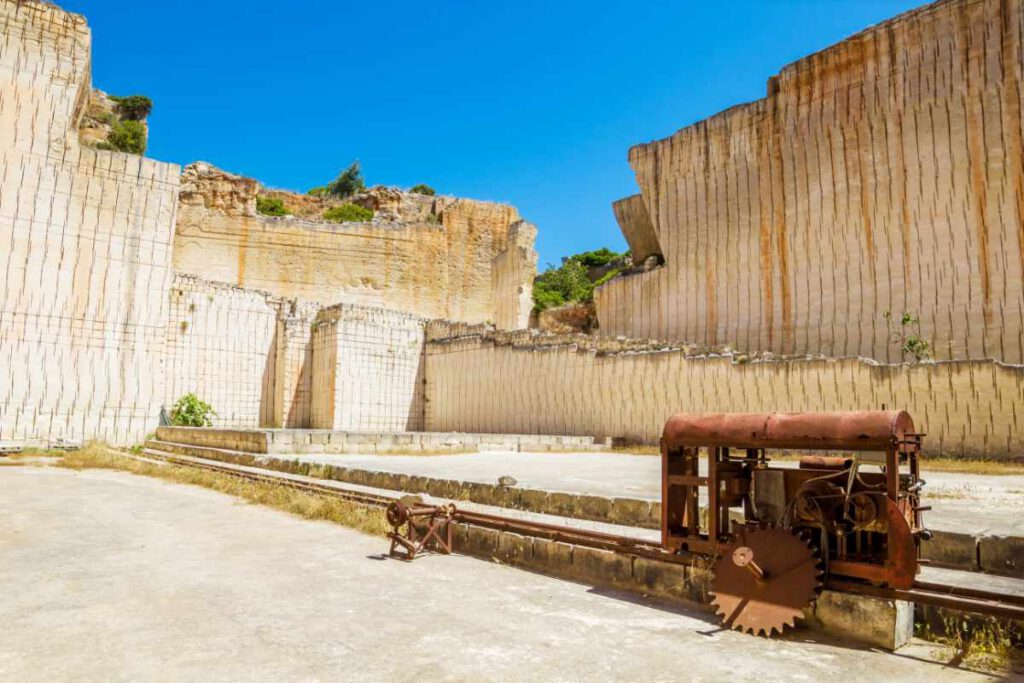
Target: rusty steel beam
<point x="869" y="430"/>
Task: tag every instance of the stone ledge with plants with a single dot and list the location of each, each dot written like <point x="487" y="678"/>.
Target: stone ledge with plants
<point x="347" y="199"/>
<point x="115" y="123"/>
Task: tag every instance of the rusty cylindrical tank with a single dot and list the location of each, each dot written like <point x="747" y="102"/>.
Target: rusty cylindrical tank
<point x="869" y="430"/>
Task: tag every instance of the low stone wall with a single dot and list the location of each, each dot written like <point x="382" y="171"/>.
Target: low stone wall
<point x="569" y="384"/>
<point x="249" y="440"/>
<point x="302" y="441"/>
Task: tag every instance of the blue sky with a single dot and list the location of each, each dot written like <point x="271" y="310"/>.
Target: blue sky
<point x="530" y="102"/>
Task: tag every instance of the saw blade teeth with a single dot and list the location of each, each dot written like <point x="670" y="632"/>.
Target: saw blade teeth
<point x="759" y="608"/>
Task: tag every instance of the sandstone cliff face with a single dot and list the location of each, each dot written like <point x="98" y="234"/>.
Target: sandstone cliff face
<point x="882" y="173"/>
<point x="431" y="256"/>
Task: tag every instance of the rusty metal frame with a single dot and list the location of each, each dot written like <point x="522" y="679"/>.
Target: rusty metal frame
<point x="437" y="521"/>
<point x="687" y="436"/>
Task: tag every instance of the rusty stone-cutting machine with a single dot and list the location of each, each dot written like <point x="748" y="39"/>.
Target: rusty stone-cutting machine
<point x="850" y="510"/>
<point x="848" y="514"/>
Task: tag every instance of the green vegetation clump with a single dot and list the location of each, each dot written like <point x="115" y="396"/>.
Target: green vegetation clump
<point x="423" y="189"/>
<point x="190" y="411"/>
<point x="571" y="282"/>
<point x="610" y="275"/>
<point x="317" y="191"/>
<point x="347" y="183"/>
<point x="133" y="107"/>
<point x="557" y="286"/>
<point x="597" y="258"/>
<point x="271" y="206"/>
<point x="126" y="136"/>
<point x="908" y="336"/>
<point x="348" y="213"/>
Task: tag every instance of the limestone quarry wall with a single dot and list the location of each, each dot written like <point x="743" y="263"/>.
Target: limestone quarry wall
<point x="437" y="268"/>
<point x="85" y="249"/>
<point x="549" y="384"/>
<point x="368" y="370"/>
<point x="882" y="173"/>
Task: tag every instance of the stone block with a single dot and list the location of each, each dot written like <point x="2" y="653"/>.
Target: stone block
<point x="949" y="549"/>
<point x="480" y="542"/>
<point x="533" y="500"/>
<point x="595" y="508"/>
<point x="551" y="557"/>
<point x="562" y="504"/>
<point x="1002" y="554"/>
<point x="602" y="567"/>
<point x="629" y="511"/>
<point x="887" y="624"/>
<point x="662" y="579"/>
<point x="477" y="492"/>
<point x="514" y="549"/>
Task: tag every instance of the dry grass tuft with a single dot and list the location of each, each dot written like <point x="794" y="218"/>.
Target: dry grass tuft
<point x="635" y="450"/>
<point x="928" y="464"/>
<point x="309" y="506"/>
<point x="971" y="466"/>
<point x="35" y="452"/>
<point x="991" y="646"/>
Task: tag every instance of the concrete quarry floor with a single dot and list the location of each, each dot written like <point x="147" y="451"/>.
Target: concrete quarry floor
<point x="966" y="503"/>
<point x="106" y="575"/>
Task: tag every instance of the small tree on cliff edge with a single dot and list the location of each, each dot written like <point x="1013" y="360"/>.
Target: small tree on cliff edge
<point x="348" y="182"/>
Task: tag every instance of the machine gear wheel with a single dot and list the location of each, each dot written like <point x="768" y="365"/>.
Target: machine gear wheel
<point x="764" y="580"/>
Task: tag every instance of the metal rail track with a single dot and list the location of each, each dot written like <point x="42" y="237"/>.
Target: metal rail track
<point x="946" y="596"/>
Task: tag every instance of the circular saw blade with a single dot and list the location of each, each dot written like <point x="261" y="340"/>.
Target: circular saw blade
<point x="764" y="580"/>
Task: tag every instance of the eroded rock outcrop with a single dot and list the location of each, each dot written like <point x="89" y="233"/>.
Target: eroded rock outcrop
<point x="206" y="187"/>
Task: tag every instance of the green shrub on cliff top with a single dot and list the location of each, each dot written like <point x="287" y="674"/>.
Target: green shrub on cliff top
<point x="557" y="286"/>
<point x="348" y="213"/>
<point x="348" y="182"/>
<point x="423" y="189"/>
<point x="597" y="257"/>
<point x="271" y="206"/>
<point x="133" y="107"/>
<point x="127" y="136"/>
